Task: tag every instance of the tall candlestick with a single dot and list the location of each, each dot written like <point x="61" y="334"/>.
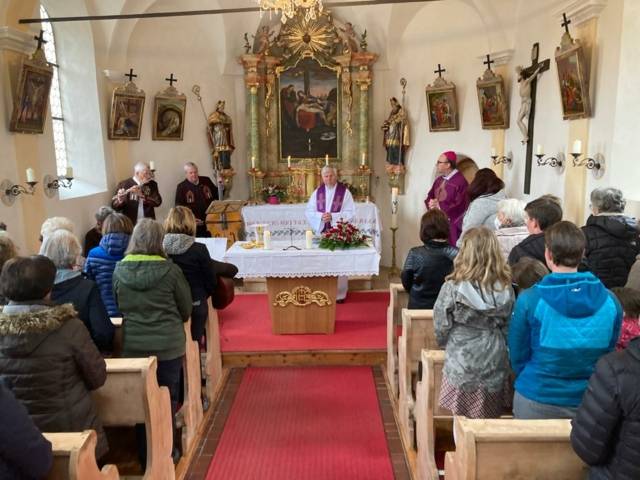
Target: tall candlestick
<point x="31" y="175"/>
<point x="69" y="173"/>
<point x="308" y="237"/>
<point x="152" y="165"/>
<point x="289" y="161"/>
<point x="394" y="195"/>
<point x="577" y="147"/>
<point x="539" y="150"/>
<point x="394" y="219"/>
<point x="363" y="162"/>
<point x="326" y="159"/>
<point x="253" y="162"/>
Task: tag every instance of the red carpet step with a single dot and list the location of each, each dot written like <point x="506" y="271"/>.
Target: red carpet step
<point x="360" y="325"/>
<point x="303" y="423"/>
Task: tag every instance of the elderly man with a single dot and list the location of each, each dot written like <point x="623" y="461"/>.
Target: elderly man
<point x="196" y="193"/>
<point x="449" y="193"/>
<point x="137" y="197"/>
<point x="330" y="202"/>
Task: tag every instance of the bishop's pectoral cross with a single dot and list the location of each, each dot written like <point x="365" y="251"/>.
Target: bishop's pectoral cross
<point x="534" y="70"/>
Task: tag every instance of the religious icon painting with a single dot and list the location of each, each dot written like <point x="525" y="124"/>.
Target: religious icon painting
<point x="168" y="115"/>
<point x="573" y="79"/>
<point x="442" y="106"/>
<point x="494" y="108"/>
<point x="127" y="107"/>
<point x="32" y="96"/>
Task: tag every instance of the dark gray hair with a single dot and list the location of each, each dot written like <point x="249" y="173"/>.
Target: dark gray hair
<point x="102" y="213"/>
<point x="146" y="238"/>
<point x="608" y="200"/>
<point x="63" y="248"/>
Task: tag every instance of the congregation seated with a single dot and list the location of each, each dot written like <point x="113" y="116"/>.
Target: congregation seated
<point x="606" y="428"/>
<point x="52" y="224"/>
<point x="195" y="262"/>
<point x="471" y="317"/>
<point x="629" y="299"/>
<point x="26" y="454"/>
<point x="510" y="227"/>
<point x="426" y="266"/>
<point x="612" y="237"/>
<point x="559" y="329"/>
<point x="540" y="214"/>
<point x="7" y="252"/>
<point x="485" y="192"/>
<point x="92" y="237"/>
<point x="46" y="353"/>
<point x="70" y="286"/>
<point x="155" y="300"/>
<point x="102" y="259"/>
<point x="633" y="281"/>
<point x="526" y="273"/>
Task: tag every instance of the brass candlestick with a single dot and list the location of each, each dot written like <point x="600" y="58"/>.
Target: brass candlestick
<point x="394" y="266"/>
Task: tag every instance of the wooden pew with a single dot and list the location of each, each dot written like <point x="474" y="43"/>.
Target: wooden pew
<point x="513" y="449"/>
<point x="192" y="405"/>
<point x="417" y="333"/>
<point x="131" y="395"/>
<point x="213" y="364"/>
<point x="74" y="457"/>
<point x="432" y="421"/>
<point x="398" y="299"/>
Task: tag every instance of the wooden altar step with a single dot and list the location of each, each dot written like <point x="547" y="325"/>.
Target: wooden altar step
<point x="304" y="358"/>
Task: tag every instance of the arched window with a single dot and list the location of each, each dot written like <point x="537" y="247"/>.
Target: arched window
<point x="59" y="142"/>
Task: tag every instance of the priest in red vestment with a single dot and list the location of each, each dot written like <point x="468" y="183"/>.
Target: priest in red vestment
<point x="449" y="193"/>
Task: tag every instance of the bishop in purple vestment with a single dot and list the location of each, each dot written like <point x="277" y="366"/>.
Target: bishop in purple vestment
<point x="449" y="193"/>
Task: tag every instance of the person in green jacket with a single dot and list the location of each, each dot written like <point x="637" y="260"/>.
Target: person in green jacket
<point x="155" y="300"/>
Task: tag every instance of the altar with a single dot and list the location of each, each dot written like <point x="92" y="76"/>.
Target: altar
<point x="301" y="284"/>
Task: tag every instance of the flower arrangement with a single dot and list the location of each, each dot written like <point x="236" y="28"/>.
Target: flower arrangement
<point x="343" y="235"/>
<point x="271" y="191"/>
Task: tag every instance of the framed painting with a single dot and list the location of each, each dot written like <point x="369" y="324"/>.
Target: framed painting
<point x="168" y="116"/>
<point x="32" y="98"/>
<point x="492" y="101"/>
<point x="442" y="106"/>
<point x="309" y="110"/>
<point x="573" y="79"/>
<point x="127" y="107"/>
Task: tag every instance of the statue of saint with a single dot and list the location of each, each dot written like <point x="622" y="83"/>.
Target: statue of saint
<point x="395" y="133"/>
<point x="222" y="134"/>
<point x="525" y="98"/>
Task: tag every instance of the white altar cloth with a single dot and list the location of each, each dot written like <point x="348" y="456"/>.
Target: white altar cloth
<point x="286" y="220"/>
<point x="315" y="262"/>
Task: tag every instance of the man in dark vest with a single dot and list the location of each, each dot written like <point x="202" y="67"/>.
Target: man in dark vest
<point x="196" y="193"/>
<point x="138" y="196"/>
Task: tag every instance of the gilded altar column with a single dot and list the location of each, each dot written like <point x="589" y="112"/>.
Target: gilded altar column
<point x="254" y="125"/>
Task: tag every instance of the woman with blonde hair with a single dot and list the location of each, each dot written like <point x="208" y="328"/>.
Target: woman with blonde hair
<point x="471" y="318"/>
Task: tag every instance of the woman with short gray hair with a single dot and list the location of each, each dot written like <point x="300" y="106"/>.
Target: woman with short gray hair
<point x="612" y="237"/>
<point x="63" y="249"/>
<point x="510" y="224"/>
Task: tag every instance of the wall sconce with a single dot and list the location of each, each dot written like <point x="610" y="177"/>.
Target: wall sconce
<point x="553" y="162"/>
<point x="591" y="163"/>
<point x="52" y="184"/>
<point x="9" y="191"/>
<point x="498" y="159"/>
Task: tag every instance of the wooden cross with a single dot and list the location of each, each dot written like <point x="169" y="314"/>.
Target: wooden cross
<point x="489" y="62"/>
<point x="439" y="71"/>
<point x="171" y="80"/>
<point x="130" y="75"/>
<point x="40" y="39"/>
<point x="565" y="22"/>
<point x="526" y="73"/>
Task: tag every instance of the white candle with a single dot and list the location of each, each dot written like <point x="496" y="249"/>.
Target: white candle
<point x="394" y="220"/>
<point x="308" y="239"/>
<point x="69" y="173"/>
<point x="326" y="159"/>
<point x="31" y="175"/>
<point x="152" y="165"/>
<point x="266" y="236"/>
<point x="493" y="152"/>
<point x="539" y="150"/>
<point x="394" y="195"/>
<point x="253" y="162"/>
<point x="364" y="159"/>
<point x="289" y="161"/>
<point x="577" y="147"/>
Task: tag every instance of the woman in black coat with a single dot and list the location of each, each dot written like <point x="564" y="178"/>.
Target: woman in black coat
<point x="612" y="237"/>
<point x="427" y="266"/>
<point x="606" y="429"/>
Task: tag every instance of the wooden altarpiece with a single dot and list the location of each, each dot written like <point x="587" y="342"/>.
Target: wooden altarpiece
<point x="307" y="86"/>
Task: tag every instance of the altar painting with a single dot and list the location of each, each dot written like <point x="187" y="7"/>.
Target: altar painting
<point x="309" y="111"/>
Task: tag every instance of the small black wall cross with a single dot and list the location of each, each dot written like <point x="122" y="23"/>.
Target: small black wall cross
<point x="565" y="22"/>
<point x="130" y="75"/>
<point x="439" y="71"/>
<point x="488" y="62"/>
<point x="40" y="39"/>
<point x="171" y="80"/>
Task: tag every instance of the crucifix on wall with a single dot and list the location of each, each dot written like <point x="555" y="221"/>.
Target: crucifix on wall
<point x="528" y="79"/>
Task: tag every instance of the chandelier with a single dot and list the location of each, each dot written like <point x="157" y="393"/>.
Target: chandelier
<point x="287" y="8"/>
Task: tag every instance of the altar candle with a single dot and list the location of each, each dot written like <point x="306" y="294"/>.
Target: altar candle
<point x="266" y="236"/>
<point x="539" y="150"/>
<point x="69" y="173"/>
<point x="31" y="175"/>
<point x="394" y="219"/>
<point x="289" y="161"/>
<point x="493" y="152"/>
<point x="308" y="239"/>
<point x="253" y="162"/>
<point x="364" y="159"/>
<point x="394" y="195"/>
<point x="326" y="159"/>
<point x="577" y="147"/>
<point x="152" y="165"/>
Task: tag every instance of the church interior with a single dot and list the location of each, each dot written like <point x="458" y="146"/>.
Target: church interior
<point x="537" y="95"/>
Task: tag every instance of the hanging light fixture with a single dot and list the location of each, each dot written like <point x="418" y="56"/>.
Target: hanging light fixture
<point x="287" y="8"/>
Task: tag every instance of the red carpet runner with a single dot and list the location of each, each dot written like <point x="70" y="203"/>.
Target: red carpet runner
<point x="303" y="423"/>
<point x="245" y="326"/>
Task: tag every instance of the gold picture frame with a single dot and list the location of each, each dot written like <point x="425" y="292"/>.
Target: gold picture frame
<point x="573" y="79"/>
<point x="169" y="111"/>
<point x="442" y="106"/>
<point x="127" y="108"/>
<point x="492" y="101"/>
<point x="32" y="95"/>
